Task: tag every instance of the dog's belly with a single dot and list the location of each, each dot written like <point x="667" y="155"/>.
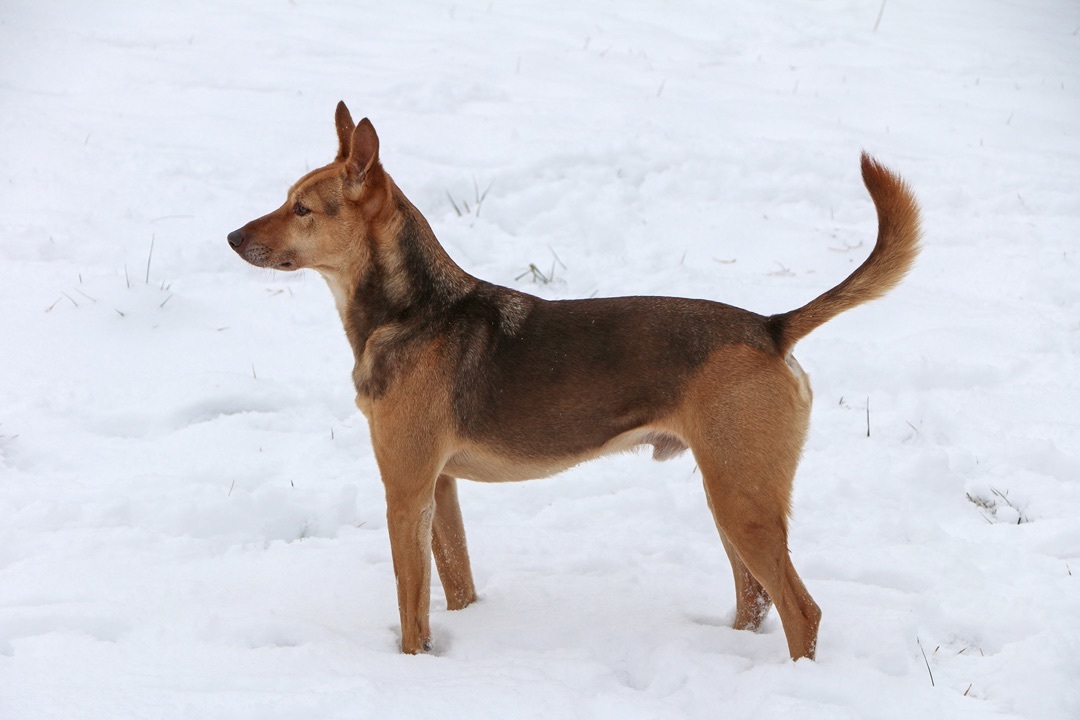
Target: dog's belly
<point x="486" y="464"/>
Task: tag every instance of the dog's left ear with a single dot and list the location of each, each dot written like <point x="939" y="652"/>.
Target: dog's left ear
<point x="344" y="123"/>
<point x="363" y="153"/>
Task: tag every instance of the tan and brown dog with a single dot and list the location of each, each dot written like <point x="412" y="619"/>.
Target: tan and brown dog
<point x="459" y="378"/>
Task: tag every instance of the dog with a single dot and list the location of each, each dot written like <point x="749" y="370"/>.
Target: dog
<point x="460" y="378"/>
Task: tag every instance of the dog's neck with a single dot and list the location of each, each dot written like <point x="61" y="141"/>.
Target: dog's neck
<point x="403" y="275"/>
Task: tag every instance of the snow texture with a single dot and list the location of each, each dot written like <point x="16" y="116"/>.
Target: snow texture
<point x="191" y="520"/>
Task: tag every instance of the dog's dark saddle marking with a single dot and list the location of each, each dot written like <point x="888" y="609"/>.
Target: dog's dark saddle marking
<point x="575" y="374"/>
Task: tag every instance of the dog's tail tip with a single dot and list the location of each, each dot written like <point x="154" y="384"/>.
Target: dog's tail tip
<point x="877" y="176"/>
<point x="868" y="161"/>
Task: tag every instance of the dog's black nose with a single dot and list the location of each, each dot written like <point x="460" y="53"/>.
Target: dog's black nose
<point x="237" y="238"/>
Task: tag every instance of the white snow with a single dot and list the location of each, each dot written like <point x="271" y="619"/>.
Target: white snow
<point x="191" y="521"/>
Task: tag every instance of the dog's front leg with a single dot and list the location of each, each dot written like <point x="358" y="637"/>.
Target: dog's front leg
<point x="449" y="547"/>
<point x="410" y="509"/>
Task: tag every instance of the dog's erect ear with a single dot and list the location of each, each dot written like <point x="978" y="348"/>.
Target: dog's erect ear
<point x="363" y="152"/>
<point x="345" y="126"/>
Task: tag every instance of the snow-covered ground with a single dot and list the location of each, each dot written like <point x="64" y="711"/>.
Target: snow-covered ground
<point x="191" y="521"/>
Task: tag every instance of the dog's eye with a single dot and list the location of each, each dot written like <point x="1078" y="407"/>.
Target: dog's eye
<point x="301" y="210"/>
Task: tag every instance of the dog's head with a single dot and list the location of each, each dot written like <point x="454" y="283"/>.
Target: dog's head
<point x="326" y="212"/>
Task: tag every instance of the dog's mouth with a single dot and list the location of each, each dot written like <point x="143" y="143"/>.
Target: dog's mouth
<point x="260" y="255"/>
<point x="264" y="257"/>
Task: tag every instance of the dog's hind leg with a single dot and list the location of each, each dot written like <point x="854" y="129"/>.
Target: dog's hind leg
<point x="752" y="603"/>
<point x="756" y="529"/>
<point x="746" y="420"/>
<point x="449" y="547"/>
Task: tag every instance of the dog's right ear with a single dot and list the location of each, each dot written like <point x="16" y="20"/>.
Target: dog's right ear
<point x="344" y="123"/>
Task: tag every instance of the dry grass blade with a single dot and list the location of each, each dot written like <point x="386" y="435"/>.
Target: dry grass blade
<point x="149" y="256"/>
<point x="928" y="670"/>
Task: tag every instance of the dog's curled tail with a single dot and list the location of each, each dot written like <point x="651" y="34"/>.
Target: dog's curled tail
<point x="893" y="254"/>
